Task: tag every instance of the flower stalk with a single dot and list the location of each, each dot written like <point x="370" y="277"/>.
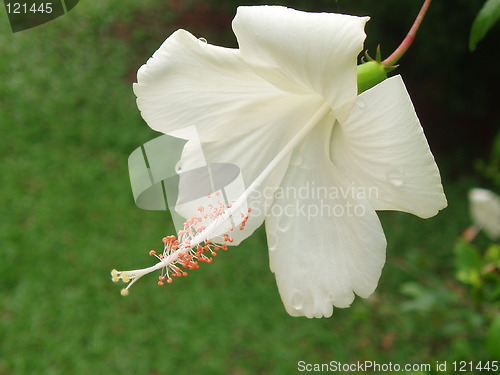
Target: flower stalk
<point x="408" y="40"/>
<point x="375" y="71"/>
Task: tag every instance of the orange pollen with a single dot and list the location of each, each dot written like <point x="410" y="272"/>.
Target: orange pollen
<point x="179" y="255"/>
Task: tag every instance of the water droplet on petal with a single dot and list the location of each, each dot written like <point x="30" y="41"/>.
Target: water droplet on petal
<point x="284" y="223"/>
<point x="178" y="167"/>
<point x="297" y="159"/>
<point x="396" y="177"/>
<point x="272" y="244"/>
<point x="203" y="41"/>
<point x="297" y="300"/>
<point x="361" y="103"/>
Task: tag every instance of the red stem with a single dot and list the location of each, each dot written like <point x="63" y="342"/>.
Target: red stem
<point x="410" y="37"/>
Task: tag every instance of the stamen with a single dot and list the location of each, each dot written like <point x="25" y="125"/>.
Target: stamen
<point x="185" y="251"/>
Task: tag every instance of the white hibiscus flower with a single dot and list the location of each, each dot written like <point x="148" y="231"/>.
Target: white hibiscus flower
<point x="317" y="158"/>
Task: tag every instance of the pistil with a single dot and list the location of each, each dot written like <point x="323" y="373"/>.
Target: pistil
<point x="197" y="242"/>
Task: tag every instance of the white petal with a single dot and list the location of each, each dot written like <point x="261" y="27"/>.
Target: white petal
<point x="302" y="51"/>
<point x="251" y="153"/>
<point x="237" y="117"/>
<point x="324" y="243"/>
<point x="485" y="211"/>
<point x="381" y="147"/>
<point x="189" y="83"/>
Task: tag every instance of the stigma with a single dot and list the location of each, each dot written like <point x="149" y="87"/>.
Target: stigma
<point x="193" y="245"/>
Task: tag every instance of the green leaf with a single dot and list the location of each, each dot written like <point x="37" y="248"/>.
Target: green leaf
<point x="468" y="264"/>
<point x="493" y="338"/>
<point x="492" y="253"/>
<point x="421" y="299"/>
<point x="485" y="20"/>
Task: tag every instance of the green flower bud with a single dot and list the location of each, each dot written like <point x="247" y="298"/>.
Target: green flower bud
<point x="370" y="74"/>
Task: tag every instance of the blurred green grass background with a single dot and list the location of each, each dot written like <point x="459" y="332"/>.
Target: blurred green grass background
<point x="68" y="123"/>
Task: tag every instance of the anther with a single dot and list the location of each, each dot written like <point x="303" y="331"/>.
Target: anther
<point x="180" y="253"/>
